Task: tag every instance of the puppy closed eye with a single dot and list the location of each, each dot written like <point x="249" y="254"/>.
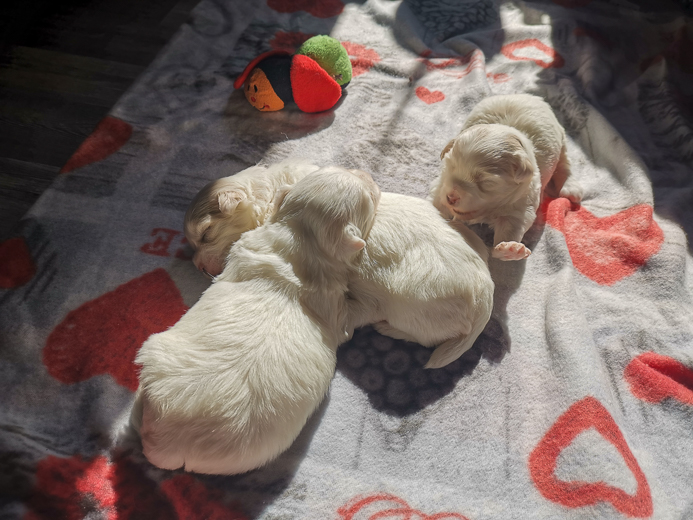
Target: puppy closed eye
<point x="486" y="186"/>
<point x="464" y="186"/>
<point x="205" y="236"/>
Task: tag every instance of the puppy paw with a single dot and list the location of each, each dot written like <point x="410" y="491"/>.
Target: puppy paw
<point x="511" y="251"/>
<point x="572" y="193"/>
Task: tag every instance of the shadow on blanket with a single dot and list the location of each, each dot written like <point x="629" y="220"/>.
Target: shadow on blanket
<point x="391" y="371"/>
<point x="646" y="103"/>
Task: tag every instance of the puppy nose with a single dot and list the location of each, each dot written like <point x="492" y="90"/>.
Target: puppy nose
<point x="452" y="199"/>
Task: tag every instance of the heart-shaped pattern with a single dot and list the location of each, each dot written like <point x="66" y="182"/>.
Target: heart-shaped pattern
<point x="382" y="506"/>
<point x="192" y="499"/>
<point x="429" y="97"/>
<point x="606" y="249"/>
<point x="108" y="137"/>
<point x="16" y="265"/>
<point x="555" y="60"/>
<point x="76" y="487"/>
<point x="582" y="415"/>
<point x="103" y="335"/>
<point x="318" y="8"/>
<point x="653" y="377"/>
<point x="289" y="41"/>
<point x="362" y="58"/>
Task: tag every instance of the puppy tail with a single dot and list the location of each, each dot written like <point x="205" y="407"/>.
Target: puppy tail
<point x="449" y="351"/>
<point x="452" y="349"/>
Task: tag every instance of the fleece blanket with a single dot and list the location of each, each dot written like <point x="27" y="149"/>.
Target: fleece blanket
<point x="577" y="400"/>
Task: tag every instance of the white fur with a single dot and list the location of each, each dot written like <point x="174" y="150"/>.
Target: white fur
<point x="229" y="206"/>
<point x="510" y="149"/>
<point x="230" y="386"/>
<point x="421" y="280"/>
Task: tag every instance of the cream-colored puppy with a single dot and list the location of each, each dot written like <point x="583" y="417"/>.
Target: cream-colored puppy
<point x="421" y="280"/>
<point x="510" y="148"/>
<point x="229" y="206"/>
<point x="394" y="286"/>
<point x="230" y="386"/>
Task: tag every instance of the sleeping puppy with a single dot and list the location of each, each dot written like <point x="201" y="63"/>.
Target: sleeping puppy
<point x="510" y="148"/>
<point x="231" y="385"/>
<point x="394" y="286"/>
<point x="421" y="280"/>
<point x="229" y="206"/>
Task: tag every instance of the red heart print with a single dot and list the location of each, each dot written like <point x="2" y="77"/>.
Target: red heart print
<point x="318" y="8"/>
<point x="606" y="249"/>
<point x="582" y="415"/>
<point x="108" y="137"/>
<point x="74" y="487"/>
<point x="362" y="58"/>
<point x="429" y="97"/>
<point x="288" y="41"/>
<point x="383" y="506"/>
<point x="556" y="60"/>
<point x="103" y="335"/>
<point x="653" y="377"/>
<point x="16" y="265"/>
<point x="192" y="499"/>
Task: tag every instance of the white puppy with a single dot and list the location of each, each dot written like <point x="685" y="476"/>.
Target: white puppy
<point x="230" y="386"/>
<point x="421" y="280"/>
<point x="495" y="170"/>
<point x="229" y="206"/>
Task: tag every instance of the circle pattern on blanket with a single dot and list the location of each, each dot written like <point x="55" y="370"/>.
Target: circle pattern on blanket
<point x="392" y="375"/>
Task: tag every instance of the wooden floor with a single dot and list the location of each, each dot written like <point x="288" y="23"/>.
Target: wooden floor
<point x="63" y="65"/>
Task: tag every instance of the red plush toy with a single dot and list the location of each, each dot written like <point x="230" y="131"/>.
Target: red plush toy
<point x="313" y="77"/>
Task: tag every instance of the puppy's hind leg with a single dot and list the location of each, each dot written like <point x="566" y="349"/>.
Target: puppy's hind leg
<point x="562" y="183"/>
<point x="384" y="328"/>
<point x="449" y="351"/>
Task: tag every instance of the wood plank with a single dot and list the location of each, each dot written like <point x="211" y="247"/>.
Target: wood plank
<point x="37" y="144"/>
<point x="94" y="92"/>
<point x="84" y="67"/>
<point x="12" y="212"/>
<point x="50" y="110"/>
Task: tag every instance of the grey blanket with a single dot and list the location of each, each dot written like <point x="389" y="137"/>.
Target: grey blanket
<point x="576" y="401"/>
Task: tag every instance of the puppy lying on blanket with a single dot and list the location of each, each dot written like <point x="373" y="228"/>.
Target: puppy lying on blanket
<point x="421" y="280"/>
<point x="229" y="206"/>
<point x="230" y="386"/>
<point x="510" y="148"/>
<point x="406" y="282"/>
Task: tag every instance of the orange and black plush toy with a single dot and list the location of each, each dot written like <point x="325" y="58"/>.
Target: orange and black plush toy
<point x="313" y="77"/>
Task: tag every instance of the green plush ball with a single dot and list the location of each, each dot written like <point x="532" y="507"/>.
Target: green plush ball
<point x="330" y="55"/>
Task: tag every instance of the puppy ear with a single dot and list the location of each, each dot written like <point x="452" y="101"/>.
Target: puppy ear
<point x="523" y="162"/>
<point x="351" y="242"/>
<point x="447" y="148"/>
<point x="523" y="167"/>
<point x="229" y="200"/>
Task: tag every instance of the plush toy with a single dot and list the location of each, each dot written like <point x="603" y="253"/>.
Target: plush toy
<point x="313" y="77"/>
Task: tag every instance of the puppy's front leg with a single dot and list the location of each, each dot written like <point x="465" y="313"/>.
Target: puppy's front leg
<point x="506" y="239"/>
